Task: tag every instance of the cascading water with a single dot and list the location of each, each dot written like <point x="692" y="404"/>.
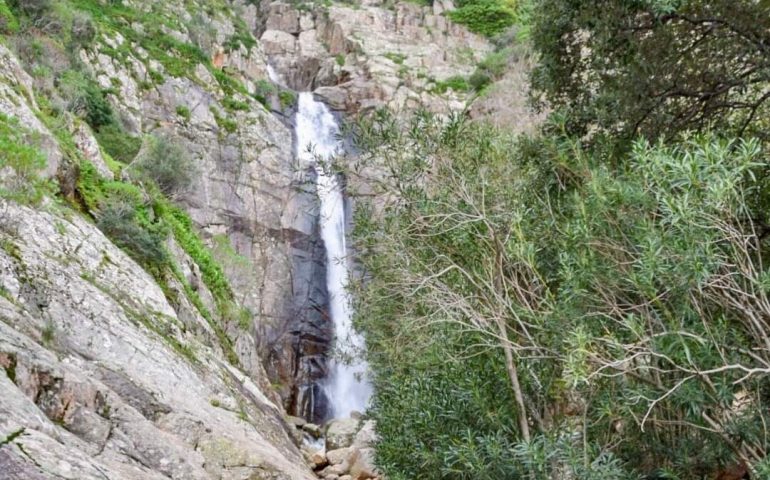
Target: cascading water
<point x="274" y="76"/>
<point x="317" y="132"/>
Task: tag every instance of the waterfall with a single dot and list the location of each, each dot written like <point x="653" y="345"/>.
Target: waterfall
<point x="274" y="76"/>
<point x="317" y="131"/>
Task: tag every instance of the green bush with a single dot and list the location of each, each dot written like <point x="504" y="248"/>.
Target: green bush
<point x="263" y="89"/>
<point x="486" y="17"/>
<point x="495" y="63"/>
<point x="118" y="144"/>
<point x="123" y="213"/>
<point x="518" y="293"/>
<point x="8" y="22"/>
<point x="118" y="220"/>
<point x="82" y="29"/>
<point x="287" y="98"/>
<point x="183" y="112"/>
<point x="33" y="8"/>
<point x="19" y="153"/>
<point x="456" y="83"/>
<point x="166" y="163"/>
<point x="479" y="80"/>
<point x="233" y="105"/>
<point x="85" y="98"/>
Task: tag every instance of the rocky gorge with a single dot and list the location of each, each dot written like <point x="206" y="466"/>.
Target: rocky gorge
<point x="217" y="367"/>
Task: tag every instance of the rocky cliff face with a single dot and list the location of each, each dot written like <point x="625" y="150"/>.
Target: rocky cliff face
<point x="111" y="374"/>
<point x="368" y="56"/>
<point x="105" y="379"/>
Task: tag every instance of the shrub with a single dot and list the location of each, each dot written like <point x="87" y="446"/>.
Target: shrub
<point x="33" y="8"/>
<point x="166" y="163"/>
<point x="20" y="163"/>
<point x="201" y="32"/>
<point x="85" y="98"/>
<point x="263" y="89"/>
<point x="183" y="112"/>
<point x="8" y="22"/>
<point x="118" y="144"/>
<point x="233" y="105"/>
<point x="487" y="17"/>
<point x="615" y="299"/>
<point x="479" y="80"/>
<point x="496" y="63"/>
<point x="118" y="220"/>
<point x="456" y="83"/>
<point x="82" y="29"/>
<point x="287" y="98"/>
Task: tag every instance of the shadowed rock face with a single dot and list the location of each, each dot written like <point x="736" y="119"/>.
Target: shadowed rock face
<point x="298" y="354"/>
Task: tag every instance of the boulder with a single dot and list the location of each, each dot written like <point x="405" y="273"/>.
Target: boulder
<point x="335" y="97"/>
<point x="337" y="457"/>
<point x="334" y="470"/>
<point x="296" y="421"/>
<point x="366" y="436"/>
<point x="276" y="42"/>
<point x="340" y="433"/>
<point x="312" y="429"/>
<point x="318" y="460"/>
<point x="284" y="17"/>
<point x="362" y="464"/>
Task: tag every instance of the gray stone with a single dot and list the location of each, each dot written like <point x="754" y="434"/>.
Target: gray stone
<point x="276" y="42"/>
<point x="312" y="429"/>
<point x="336" y="457"/>
<point x="114" y="382"/>
<point x="296" y="421"/>
<point x="340" y="433"/>
<point x="366" y="436"/>
<point x="284" y="17"/>
<point x="362" y="464"/>
<point x="335" y="97"/>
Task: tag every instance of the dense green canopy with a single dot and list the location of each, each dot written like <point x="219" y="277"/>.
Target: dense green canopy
<point x="590" y="302"/>
<point x="653" y="67"/>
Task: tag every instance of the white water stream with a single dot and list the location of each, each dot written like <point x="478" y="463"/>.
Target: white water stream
<point x="317" y="131"/>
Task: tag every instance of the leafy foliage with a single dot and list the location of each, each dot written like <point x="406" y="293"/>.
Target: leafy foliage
<point x="599" y="318"/>
<point x="118" y="220"/>
<point x="20" y="163"/>
<point x="118" y="144"/>
<point x="654" y="68"/>
<point x="9" y="24"/>
<point x="487" y="17"/>
<point x="85" y="98"/>
<point x="166" y="163"/>
<point x="456" y="83"/>
<point x="124" y="214"/>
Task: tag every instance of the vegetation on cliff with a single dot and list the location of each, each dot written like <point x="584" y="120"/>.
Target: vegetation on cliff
<point x="134" y="207"/>
<point x="590" y="302"/>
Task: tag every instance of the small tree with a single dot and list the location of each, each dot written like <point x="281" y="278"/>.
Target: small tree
<point x="118" y="220"/>
<point x="167" y="163"/>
